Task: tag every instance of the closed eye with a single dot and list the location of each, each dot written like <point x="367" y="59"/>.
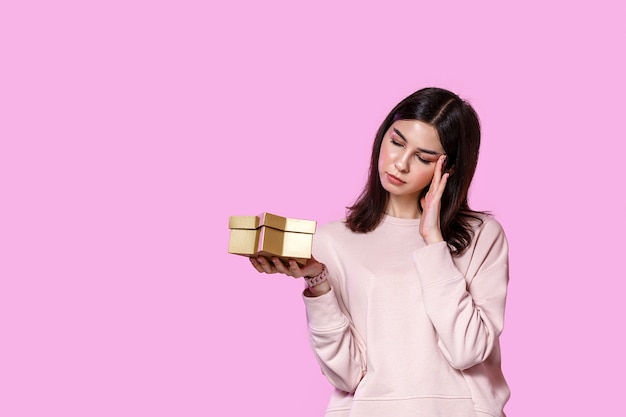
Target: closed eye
<point x="417" y="155"/>
<point x="424" y="161"/>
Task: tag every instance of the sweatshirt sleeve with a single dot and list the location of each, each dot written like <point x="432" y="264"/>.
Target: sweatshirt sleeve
<point x="467" y="311"/>
<point x="333" y="338"/>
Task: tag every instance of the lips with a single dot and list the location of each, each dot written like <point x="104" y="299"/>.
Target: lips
<point x="394" y="180"/>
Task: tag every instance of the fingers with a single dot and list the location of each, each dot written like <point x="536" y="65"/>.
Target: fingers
<point x="280" y="266"/>
<point x="429" y="226"/>
<point x="268" y="268"/>
<point x="275" y="265"/>
<point x="438" y="171"/>
<point x="294" y="269"/>
<point x="438" y="182"/>
<point x="442" y="160"/>
<point x="291" y="269"/>
<point x="255" y="263"/>
<point x="442" y="185"/>
<point x="261" y="264"/>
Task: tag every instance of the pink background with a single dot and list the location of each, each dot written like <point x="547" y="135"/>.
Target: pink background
<point x="131" y="130"/>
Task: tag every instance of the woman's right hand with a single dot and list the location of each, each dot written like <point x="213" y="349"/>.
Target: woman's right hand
<point x="292" y="269"/>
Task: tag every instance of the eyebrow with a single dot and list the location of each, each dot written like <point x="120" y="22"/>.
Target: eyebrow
<point x="428" y="151"/>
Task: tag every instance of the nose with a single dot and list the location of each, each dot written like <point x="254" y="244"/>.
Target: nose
<point x="402" y="162"/>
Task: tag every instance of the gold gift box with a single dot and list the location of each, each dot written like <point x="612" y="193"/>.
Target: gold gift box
<point x="271" y="235"/>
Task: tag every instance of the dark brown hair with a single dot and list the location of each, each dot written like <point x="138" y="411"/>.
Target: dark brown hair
<point x="458" y="127"/>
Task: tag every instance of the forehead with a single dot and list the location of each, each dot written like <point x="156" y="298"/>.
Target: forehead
<point x="418" y="134"/>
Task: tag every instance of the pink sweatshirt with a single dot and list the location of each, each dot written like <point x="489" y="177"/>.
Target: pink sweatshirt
<point x="408" y="330"/>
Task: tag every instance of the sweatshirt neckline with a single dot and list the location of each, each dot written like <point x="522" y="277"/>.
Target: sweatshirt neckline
<point x="398" y="221"/>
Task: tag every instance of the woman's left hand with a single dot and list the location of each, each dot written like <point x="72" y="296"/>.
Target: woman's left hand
<point x="430" y="228"/>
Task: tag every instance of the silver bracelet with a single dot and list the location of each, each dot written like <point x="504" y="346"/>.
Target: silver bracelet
<point x="317" y="279"/>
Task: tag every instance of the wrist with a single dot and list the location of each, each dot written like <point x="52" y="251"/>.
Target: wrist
<point x="317" y="290"/>
<point x="432" y="237"/>
<point x="433" y="240"/>
<point x="315" y="270"/>
<point x="313" y="281"/>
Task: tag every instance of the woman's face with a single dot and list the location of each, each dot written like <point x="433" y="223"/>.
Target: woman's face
<point x="408" y="155"/>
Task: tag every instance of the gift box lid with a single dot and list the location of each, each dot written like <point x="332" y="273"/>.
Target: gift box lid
<point x="272" y="220"/>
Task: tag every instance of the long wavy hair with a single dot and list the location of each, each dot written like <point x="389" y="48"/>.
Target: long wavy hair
<point x="458" y="127"/>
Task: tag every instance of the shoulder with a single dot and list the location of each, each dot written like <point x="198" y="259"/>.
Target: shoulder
<point x="489" y="234"/>
<point x="327" y="242"/>
<point x="488" y="225"/>
<point x="331" y="236"/>
<point x="331" y="231"/>
<point x="336" y="226"/>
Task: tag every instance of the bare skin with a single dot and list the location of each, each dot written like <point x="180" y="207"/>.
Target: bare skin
<point x="430" y="228"/>
<point x="276" y="266"/>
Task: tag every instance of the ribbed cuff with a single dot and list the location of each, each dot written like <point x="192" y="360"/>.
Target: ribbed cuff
<point x="323" y="312"/>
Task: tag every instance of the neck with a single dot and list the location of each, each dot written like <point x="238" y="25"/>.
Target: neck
<point x="405" y="208"/>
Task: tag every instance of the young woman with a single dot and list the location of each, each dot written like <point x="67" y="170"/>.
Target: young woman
<point x="405" y="297"/>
